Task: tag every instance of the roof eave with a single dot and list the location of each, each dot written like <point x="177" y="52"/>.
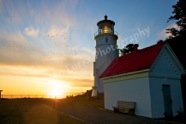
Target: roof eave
<point x="126" y="74"/>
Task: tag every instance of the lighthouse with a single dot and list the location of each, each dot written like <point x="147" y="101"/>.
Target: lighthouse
<point x="106" y="52"/>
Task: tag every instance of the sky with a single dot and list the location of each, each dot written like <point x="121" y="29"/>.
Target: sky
<point x="47" y="47"/>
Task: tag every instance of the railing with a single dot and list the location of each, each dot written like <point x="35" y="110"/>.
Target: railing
<point x="9" y="96"/>
<point x="23" y="96"/>
<point x="102" y="32"/>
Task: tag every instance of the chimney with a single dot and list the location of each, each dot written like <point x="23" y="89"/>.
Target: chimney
<point x="135" y="47"/>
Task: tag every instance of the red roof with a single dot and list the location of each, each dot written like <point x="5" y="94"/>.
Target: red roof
<point x="135" y="61"/>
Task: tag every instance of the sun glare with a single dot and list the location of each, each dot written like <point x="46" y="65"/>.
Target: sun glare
<point x="57" y="89"/>
<point x="56" y="93"/>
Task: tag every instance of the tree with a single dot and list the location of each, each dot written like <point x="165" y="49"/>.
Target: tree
<point x="179" y="14"/>
<point x="174" y="32"/>
<point x="127" y="49"/>
<point x="176" y="42"/>
<point x="178" y="39"/>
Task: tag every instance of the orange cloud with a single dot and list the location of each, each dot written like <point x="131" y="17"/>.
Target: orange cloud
<point x="22" y="59"/>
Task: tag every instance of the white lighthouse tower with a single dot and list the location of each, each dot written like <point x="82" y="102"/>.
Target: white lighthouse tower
<point x="106" y="51"/>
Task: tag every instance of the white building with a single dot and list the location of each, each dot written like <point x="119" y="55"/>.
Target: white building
<point x="150" y="77"/>
<point x="106" y="51"/>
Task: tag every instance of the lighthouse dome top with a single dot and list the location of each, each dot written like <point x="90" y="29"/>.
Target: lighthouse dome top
<point x="105" y="21"/>
<point x="105" y="27"/>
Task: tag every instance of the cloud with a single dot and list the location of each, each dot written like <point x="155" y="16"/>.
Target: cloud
<point x="164" y="33"/>
<point x="14" y="12"/>
<point x="12" y="38"/>
<point x="1" y="6"/>
<point x="50" y="52"/>
<point x="16" y="50"/>
<point x="59" y="13"/>
<point x="19" y="12"/>
<point x="85" y="82"/>
<point x="32" y="61"/>
<point x="60" y="33"/>
<point x="23" y="71"/>
<point x="32" y="32"/>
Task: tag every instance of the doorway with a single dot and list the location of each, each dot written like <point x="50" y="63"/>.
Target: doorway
<point x="167" y="100"/>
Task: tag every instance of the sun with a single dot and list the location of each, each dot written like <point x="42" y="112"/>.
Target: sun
<point x="56" y="93"/>
<point x="56" y="89"/>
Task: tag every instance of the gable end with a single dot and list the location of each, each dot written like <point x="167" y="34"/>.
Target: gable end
<point x="167" y="64"/>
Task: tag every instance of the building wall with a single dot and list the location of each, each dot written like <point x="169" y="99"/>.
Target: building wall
<point x="106" y="52"/>
<point x="145" y="88"/>
<point x="135" y="89"/>
<point x="165" y="65"/>
<point x="165" y="71"/>
<point x="157" y="100"/>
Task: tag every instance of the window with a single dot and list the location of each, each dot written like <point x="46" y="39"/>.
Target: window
<point x="106" y="30"/>
<point x="106" y="40"/>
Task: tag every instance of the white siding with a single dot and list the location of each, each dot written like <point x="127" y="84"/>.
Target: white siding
<point x="165" y="65"/>
<point x="135" y="89"/>
<point x="146" y="88"/>
<point x="165" y="71"/>
<point x="157" y="96"/>
<point x="106" y="52"/>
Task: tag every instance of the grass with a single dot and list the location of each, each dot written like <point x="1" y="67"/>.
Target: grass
<point x="31" y="111"/>
<point x="49" y="111"/>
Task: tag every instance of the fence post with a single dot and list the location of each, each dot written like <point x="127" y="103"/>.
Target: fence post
<point x="0" y="93"/>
